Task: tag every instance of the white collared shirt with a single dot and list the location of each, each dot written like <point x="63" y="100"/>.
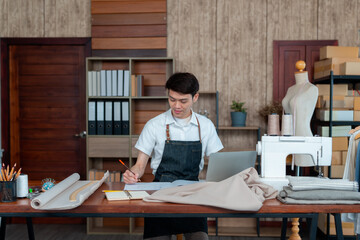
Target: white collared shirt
<point x="153" y="136"/>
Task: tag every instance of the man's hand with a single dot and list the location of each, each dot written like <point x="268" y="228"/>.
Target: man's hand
<point x="130" y="178"/>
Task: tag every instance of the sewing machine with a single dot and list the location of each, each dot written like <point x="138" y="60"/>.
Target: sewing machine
<point x="275" y="149"/>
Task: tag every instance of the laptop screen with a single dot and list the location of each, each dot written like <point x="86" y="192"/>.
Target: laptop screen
<point x="223" y="165"/>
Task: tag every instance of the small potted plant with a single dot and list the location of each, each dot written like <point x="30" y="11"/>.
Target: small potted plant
<point x="238" y="116"/>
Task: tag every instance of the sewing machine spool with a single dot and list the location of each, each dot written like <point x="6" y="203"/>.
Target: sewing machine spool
<point x="273" y="125"/>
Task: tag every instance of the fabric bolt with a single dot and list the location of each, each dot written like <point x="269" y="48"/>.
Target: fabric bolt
<point x="320" y="195"/>
<point x="313" y="183"/>
<point x="242" y="192"/>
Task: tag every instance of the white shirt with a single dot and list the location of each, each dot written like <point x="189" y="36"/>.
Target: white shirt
<point x="153" y="136"/>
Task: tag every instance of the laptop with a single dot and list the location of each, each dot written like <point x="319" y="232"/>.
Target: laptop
<point x="223" y="165"/>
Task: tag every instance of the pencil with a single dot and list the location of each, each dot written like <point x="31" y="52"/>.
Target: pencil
<point x="18" y="173"/>
<point x="12" y="171"/>
<point x="128" y="168"/>
<point x="3" y="173"/>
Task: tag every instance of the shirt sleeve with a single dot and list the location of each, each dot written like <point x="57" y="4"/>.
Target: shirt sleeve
<point x="214" y="143"/>
<point x="146" y="141"/>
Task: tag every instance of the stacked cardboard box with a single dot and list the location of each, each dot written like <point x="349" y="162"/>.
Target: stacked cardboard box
<point x="340" y="60"/>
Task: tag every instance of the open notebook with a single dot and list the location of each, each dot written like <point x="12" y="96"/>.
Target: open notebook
<point x="125" y="195"/>
<point x="223" y="165"/>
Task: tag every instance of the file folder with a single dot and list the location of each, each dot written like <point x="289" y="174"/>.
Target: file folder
<point x="90" y="83"/>
<point x="120" y="84"/>
<point x="125" y="118"/>
<point x="100" y="118"/>
<point x="102" y="83"/>
<point x="98" y="84"/>
<point x="94" y="86"/>
<point x="108" y="83"/>
<point x="117" y="118"/>
<point x="139" y="85"/>
<point x="114" y="83"/>
<point x="126" y="83"/>
<point x="92" y="118"/>
<point x="108" y="118"/>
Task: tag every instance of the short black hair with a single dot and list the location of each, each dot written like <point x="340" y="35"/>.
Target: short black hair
<point x="183" y="82"/>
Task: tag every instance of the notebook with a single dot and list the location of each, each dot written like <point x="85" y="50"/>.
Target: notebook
<point x="125" y="195"/>
<point x="223" y="165"/>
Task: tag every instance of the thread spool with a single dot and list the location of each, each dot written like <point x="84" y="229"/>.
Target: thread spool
<point x="273" y="125"/>
<point x="287" y="125"/>
<point x="22" y="185"/>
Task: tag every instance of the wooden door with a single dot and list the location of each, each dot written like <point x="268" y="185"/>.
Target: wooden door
<point x="43" y="108"/>
<point x="286" y="54"/>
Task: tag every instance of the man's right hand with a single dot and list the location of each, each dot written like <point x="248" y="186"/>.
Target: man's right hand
<point x="130" y="178"/>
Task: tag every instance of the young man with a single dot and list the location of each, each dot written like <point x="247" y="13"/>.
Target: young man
<point x="177" y="141"/>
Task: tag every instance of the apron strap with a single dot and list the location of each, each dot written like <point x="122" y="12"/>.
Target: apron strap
<point x="168" y="131"/>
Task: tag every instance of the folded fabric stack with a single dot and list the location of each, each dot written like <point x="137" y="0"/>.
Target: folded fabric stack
<point x="314" y="190"/>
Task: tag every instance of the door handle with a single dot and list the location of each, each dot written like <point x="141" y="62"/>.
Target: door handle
<point x="81" y="135"/>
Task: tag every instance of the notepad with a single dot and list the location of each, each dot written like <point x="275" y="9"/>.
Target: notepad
<point x="125" y="195"/>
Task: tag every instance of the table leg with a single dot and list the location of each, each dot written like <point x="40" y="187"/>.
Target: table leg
<point x="338" y="226"/>
<point x="30" y="228"/>
<point x="283" y="228"/>
<point x="313" y="226"/>
<point x="3" y="228"/>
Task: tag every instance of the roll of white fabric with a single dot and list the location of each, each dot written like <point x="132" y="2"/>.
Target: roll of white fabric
<point x="22" y="186"/>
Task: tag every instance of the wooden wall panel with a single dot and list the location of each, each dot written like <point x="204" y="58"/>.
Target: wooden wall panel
<point x="40" y="18"/>
<point x="67" y="18"/>
<point x="25" y="18"/>
<point x="288" y="20"/>
<point x="338" y="20"/>
<point x="192" y="39"/>
<point x="241" y="63"/>
<point x="129" y="28"/>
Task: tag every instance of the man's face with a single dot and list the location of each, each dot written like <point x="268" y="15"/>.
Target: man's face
<point x="181" y="104"/>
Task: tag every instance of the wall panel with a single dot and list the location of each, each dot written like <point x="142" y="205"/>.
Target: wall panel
<point x="288" y="20"/>
<point x="241" y="64"/>
<point x="192" y="39"/>
<point x="338" y="20"/>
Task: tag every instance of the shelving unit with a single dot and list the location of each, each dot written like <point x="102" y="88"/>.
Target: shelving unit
<point x="340" y="79"/>
<point x="104" y="150"/>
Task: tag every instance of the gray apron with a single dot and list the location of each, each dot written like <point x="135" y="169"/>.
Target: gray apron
<point x="180" y="160"/>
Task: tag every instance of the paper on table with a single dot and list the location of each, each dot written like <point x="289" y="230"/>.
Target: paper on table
<point x="122" y="195"/>
<point x="157" y="185"/>
<point x="58" y="197"/>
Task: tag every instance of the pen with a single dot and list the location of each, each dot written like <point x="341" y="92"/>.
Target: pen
<point x="128" y="168"/>
<point x="111" y="191"/>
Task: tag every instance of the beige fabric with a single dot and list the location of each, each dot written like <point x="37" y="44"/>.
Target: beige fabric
<point x="242" y="192"/>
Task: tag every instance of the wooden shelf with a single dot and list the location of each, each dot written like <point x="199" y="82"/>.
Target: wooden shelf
<point x="237" y="128"/>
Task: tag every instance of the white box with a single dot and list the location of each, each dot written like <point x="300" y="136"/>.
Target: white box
<point x="337" y="115"/>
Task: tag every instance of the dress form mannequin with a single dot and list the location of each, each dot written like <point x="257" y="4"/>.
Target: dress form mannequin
<point x="300" y="101"/>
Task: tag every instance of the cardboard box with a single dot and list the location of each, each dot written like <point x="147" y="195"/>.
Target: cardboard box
<point x="338" y="89"/>
<point x="357" y="116"/>
<point x="347" y="227"/>
<point x="343" y="157"/>
<point x="338" y="51"/>
<point x="350" y="68"/>
<point x="356" y="103"/>
<point x="337" y="171"/>
<point x="349" y="102"/>
<point x="337" y="115"/>
<point x="340" y="143"/>
<point x="324" y="102"/>
<point x="336" y="158"/>
<point x="337" y="131"/>
<point x="323" y="68"/>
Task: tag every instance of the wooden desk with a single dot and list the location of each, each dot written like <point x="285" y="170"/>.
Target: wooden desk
<point x="97" y="206"/>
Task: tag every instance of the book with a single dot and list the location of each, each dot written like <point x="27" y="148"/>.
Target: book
<point x="125" y="195"/>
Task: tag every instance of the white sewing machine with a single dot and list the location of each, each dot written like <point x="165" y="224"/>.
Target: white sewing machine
<point x="275" y="149"/>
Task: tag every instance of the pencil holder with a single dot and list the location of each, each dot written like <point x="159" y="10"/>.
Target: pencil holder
<point x="8" y="191"/>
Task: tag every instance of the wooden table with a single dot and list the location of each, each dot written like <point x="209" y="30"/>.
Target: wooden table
<point x="97" y="206"/>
